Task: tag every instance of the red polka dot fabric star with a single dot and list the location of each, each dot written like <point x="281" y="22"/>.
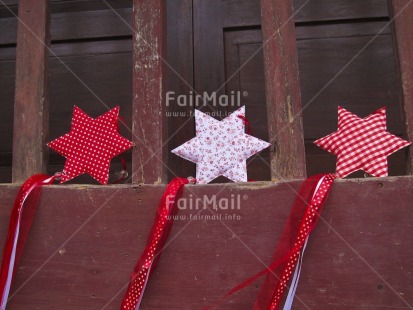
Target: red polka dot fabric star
<point x="361" y="143"/>
<point x="90" y="145"/>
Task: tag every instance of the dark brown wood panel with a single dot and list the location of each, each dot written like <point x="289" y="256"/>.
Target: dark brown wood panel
<point x="209" y="64"/>
<point x="93" y="235"/>
<point x="31" y="105"/>
<point x="247" y="81"/>
<point x="92" y="75"/>
<point x="242" y="13"/>
<point x="96" y="77"/>
<point x="148" y="103"/>
<point x="323" y="51"/>
<point x="78" y="25"/>
<point x="402" y="13"/>
<point x="321" y="10"/>
<point x="180" y="81"/>
<point x="59" y="6"/>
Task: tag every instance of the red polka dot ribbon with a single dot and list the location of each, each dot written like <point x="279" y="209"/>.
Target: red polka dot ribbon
<point x="21" y="219"/>
<point x="303" y="217"/>
<point x="158" y="236"/>
<point x="313" y="194"/>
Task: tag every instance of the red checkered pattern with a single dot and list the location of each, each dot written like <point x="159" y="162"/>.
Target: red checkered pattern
<point x="361" y="143"/>
<point x="90" y="145"/>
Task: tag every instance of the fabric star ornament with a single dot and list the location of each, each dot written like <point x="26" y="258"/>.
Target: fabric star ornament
<point x="220" y="147"/>
<point x="361" y="143"/>
<point x="90" y="145"/>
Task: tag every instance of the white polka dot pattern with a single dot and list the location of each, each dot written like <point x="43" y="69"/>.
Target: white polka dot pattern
<point x="309" y="220"/>
<point x="90" y="145"/>
<point x="361" y="143"/>
<point x="220" y="147"/>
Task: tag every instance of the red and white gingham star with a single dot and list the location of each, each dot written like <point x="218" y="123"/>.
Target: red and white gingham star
<point x="361" y="143"/>
<point x="90" y="145"/>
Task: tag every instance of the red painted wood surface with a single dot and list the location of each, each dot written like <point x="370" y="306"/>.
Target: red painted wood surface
<point x="282" y="90"/>
<point x="148" y="111"/>
<point x="402" y="13"/>
<point x="85" y="241"/>
<point x="31" y="112"/>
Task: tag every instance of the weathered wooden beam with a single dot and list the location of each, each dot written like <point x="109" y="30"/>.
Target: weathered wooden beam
<point x="148" y="107"/>
<point x="401" y="11"/>
<point x="282" y="90"/>
<point x="31" y="111"/>
<point x="91" y="237"/>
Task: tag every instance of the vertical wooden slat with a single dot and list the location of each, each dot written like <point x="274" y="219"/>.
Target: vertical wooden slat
<point x="282" y="90"/>
<point x="31" y="114"/>
<point x="148" y="107"/>
<point x="402" y="13"/>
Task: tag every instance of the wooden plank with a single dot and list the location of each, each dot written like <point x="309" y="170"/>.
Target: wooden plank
<point x="31" y="111"/>
<point x="282" y="91"/>
<point x="64" y="6"/>
<point x="180" y="81"/>
<point x="77" y="25"/>
<point x="245" y="13"/>
<point x="402" y="15"/>
<point x="148" y="108"/>
<point x="90" y="258"/>
<point x="244" y="61"/>
<point x="321" y="10"/>
<point x="209" y="62"/>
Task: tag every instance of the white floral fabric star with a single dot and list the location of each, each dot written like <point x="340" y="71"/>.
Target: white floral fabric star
<point x="220" y="147"/>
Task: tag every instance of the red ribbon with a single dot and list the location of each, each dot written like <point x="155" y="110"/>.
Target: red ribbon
<point x="246" y="123"/>
<point x="157" y="238"/>
<point x="303" y="218"/>
<point x="21" y="219"/>
<point x="313" y="194"/>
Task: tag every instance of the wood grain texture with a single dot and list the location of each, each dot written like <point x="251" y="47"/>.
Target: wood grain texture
<point x="180" y="81"/>
<point x="320" y="10"/>
<point x="241" y="13"/>
<point x="320" y="59"/>
<point x="105" y="64"/>
<point x="402" y="13"/>
<point x="77" y="25"/>
<point x="148" y="106"/>
<point x="247" y="72"/>
<point x="358" y="256"/>
<point x="283" y="92"/>
<point x="209" y="63"/>
<point x="31" y="111"/>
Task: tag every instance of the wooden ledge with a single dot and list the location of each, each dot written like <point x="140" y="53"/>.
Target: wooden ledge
<point x="358" y="256"/>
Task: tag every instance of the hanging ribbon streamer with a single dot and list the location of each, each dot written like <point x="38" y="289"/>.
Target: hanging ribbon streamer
<point x="21" y="219"/>
<point x="296" y="277"/>
<point x="157" y="238"/>
<point x="303" y="217"/>
<point x="272" y="290"/>
<point x="294" y="282"/>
